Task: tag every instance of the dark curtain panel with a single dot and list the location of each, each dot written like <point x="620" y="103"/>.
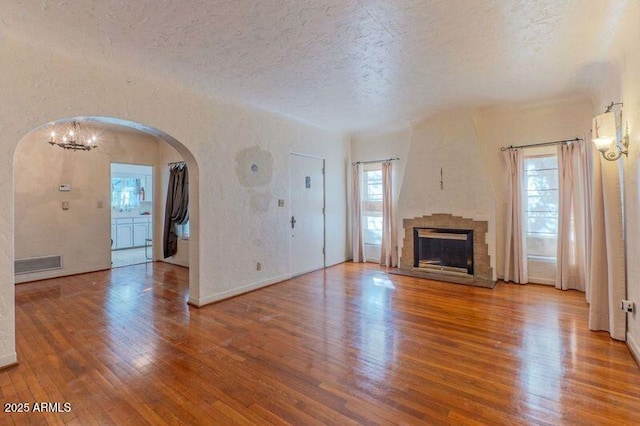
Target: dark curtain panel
<point x="177" y="208"/>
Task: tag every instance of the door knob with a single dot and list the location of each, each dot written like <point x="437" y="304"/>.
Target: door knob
<point x="293" y="222"/>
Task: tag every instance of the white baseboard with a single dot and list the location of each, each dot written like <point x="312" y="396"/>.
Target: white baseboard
<point x="337" y="261"/>
<point x="205" y="300"/>
<point x="634" y="347"/>
<point x="543" y="281"/>
<point x="307" y="271"/>
<point x="175" y="262"/>
<point x="7" y="360"/>
<point x="532" y="280"/>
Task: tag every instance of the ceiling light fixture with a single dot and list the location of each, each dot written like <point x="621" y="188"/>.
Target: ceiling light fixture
<point x="74" y="138"/>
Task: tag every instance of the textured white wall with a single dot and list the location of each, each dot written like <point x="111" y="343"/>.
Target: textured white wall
<point x="631" y="96"/>
<point x="448" y="140"/>
<point x="524" y="124"/>
<point x="81" y="234"/>
<point x="622" y="84"/>
<point x="236" y="221"/>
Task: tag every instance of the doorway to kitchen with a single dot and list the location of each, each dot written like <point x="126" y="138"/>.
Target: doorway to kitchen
<point x="131" y="214"/>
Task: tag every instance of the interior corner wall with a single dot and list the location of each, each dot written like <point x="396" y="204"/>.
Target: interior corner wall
<point x="392" y="143"/>
<point x="631" y="116"/>
<point x="627" y="89"/>
<point x="81" y="234"/>
<point x="524" y="124"/>
<point x="238" y="221"/>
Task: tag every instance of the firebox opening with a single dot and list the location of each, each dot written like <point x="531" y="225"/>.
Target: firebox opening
<point x="449" y="250"/>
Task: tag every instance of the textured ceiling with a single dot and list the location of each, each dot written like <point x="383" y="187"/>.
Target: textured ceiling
<point x="342" y="64"/>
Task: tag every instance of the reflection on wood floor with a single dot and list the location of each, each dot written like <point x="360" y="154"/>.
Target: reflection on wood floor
<point x="350" y="344"/>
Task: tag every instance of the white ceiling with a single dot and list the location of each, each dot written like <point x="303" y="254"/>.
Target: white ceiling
<point x="342" y="64"/>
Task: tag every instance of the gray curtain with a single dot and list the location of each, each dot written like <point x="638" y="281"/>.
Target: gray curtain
<point x="177" y="208"/>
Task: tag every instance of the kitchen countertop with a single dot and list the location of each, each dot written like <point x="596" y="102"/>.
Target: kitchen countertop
<point x="132" y="216"/>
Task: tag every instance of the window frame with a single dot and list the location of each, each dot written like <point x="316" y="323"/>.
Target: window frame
<point x="180" y="231"/>
<point x="543" y="215"/>
<point x="369" y="199"/>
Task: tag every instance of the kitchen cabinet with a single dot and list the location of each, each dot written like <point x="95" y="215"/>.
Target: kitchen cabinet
<point x="131" y="232"/>
<point x="124" y="235"/>
<point x="140" y="231"/>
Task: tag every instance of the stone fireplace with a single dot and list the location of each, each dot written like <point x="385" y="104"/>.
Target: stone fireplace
<point x="446" y="248"/>
<point x="449" y="250"/>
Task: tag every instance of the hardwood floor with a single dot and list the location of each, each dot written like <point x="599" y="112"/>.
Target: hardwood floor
<point x="347" y="345"/>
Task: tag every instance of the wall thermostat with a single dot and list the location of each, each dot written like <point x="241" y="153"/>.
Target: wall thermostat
<point x="65" y="187"/>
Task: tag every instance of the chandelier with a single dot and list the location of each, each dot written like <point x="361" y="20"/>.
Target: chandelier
<point x="74" y="138"/>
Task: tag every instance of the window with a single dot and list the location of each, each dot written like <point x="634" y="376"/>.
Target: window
<point x="183" y="231"/>
<point x="541" y="205"/>
<point x="372" y="204"/>
<point x="126" y="193"/>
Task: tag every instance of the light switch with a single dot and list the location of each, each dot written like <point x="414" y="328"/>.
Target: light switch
<point x="280" y="202"/>
<point x="65" y="205"/>
<point x="65" y="187"/>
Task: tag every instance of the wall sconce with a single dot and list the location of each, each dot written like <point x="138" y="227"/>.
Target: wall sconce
<point x="608" y="146"/>
<point x="610" y="149"/>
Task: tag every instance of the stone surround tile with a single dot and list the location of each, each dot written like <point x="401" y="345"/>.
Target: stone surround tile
<point x="482" y="277"/>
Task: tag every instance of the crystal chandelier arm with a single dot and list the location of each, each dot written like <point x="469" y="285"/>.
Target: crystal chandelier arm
<point x="73" y="139"/>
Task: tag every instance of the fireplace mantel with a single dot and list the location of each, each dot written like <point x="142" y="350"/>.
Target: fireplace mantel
<point x="482" y="273"/>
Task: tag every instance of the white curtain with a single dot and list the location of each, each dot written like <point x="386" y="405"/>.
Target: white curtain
<point x="587" y="168"/>
<point x="572" y="226"/>
<point x="607" y="279"/>
<point x="389" y="249"/>
<point x="357" y="237"/>
<point x="515" y="258"/>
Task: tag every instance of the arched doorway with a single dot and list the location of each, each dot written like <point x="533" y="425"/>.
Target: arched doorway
<point x="69" y="196"/>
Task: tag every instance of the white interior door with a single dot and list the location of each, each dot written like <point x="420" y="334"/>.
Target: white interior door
<point x="306" y="219"/>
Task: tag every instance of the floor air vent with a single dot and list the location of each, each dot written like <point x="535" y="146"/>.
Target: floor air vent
<point x="37" y="264"/>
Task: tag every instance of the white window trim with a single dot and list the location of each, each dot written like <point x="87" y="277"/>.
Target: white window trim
<point x="537" y="257"/>
<point x="377" y="166"/>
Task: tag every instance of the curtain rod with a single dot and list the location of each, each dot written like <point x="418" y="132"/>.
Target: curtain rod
<point x="504" y="148"/>
<point x="374" y="161"/>
<point x="175" y="162"/>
